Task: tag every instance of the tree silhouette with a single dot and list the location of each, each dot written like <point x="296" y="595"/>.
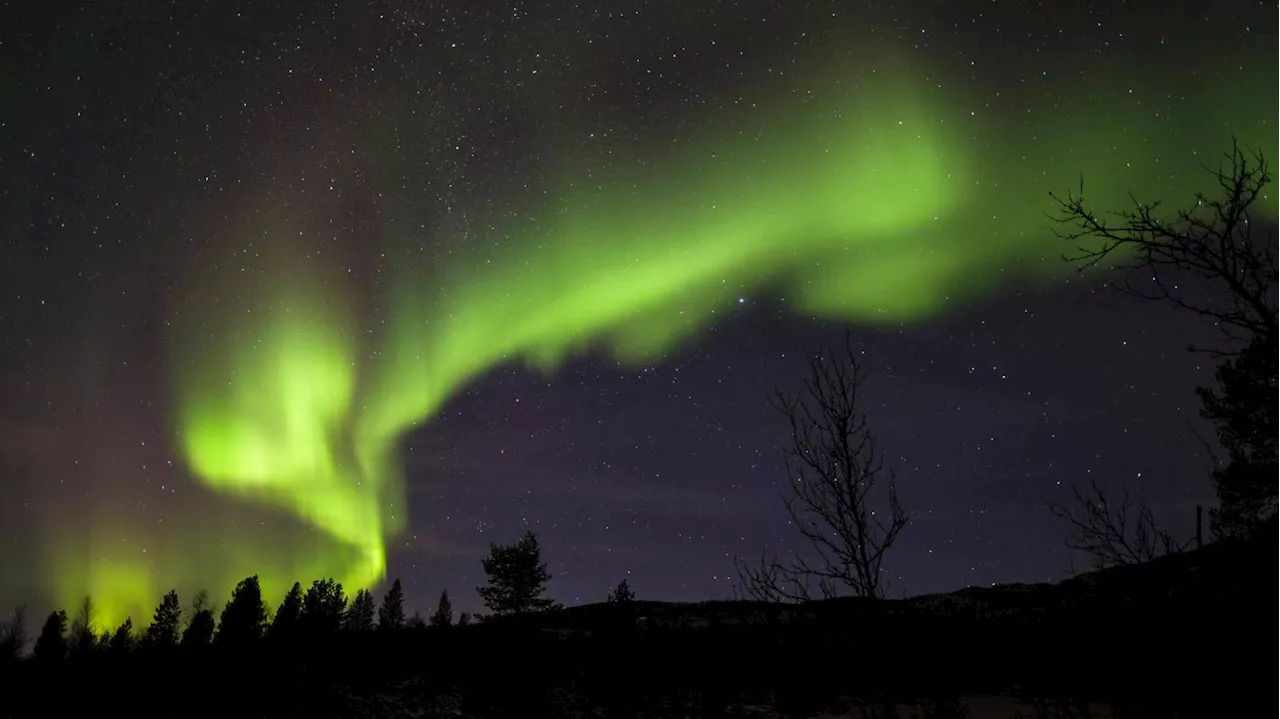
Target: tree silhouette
<point x="201" y="626"/>
<point x="517" y="578"/>
<point x="123" y="640"/>
<point x="322" y="608"/>
<point x="359" y="616"/>
<point x="415" y="622"/>
<point x="245" y="616"/>
<point x="1113" y="531"/>
<point x="13" y="636"/>
<point x="163" y="632"/>
<point x="51" y="645"/>
<point x="82" y="639"/>
<point x="839" y="495"/>
<point x="1213" y="241"/>
<point x="200" y="629"/>
<point x="287" y="622"/>
<point x="1243" y="411"/>
<point x="444" y="612"/>
<point x="1212" y="261"/>
<point x="391" y="613"/>
<point x="622" y="593"/>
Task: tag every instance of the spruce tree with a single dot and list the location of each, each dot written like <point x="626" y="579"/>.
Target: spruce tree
<point x="391" y="613"/>
<point x="163" y="632"/>
<point x="322" y="608"/>
<point x="51" y="645"/>
<point x="288" y="620"/>
<point x="122" y="641"/>
<point x="444" y="612"/>
<point x="1243" y="410"/>
<point x="622" y="594"/>
<point x="359" y="616"/>
<point x="245" y="616"/>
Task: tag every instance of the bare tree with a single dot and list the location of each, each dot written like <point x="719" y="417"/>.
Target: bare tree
<point x="13" y="635"/>
<point x="1212" y="261"/>
<point x="1213" y="241"/>
<point x="84" y="637"/>
<point x="839" y="496"/>
<point x="1113" y="531"/>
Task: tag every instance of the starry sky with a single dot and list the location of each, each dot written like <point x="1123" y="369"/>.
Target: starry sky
<point x="356" y="289"/>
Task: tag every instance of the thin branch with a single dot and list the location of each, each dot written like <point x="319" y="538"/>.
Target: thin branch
<point x="1211" y="455"/>
<point x="1213" y="240"/>
<point x="1113" y="531"/>
<point x="840" y="497"/>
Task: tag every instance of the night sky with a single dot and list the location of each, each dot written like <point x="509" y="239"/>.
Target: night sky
<point x="310" y="290"/>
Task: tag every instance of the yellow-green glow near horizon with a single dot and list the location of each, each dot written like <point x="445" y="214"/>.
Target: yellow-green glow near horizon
<point x="875" y="197"/>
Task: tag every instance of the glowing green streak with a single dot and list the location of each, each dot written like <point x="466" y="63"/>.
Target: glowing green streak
<point x="280" y="432"/>
<point x="276" y="433"/>
<point x="878" y="198"/>
<point x="844" y="191"/>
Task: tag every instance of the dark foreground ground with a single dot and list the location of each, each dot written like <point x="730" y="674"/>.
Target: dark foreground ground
<point x="1187" y="636"/>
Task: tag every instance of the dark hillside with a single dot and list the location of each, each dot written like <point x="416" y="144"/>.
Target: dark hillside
<point x="1175" y="637"/>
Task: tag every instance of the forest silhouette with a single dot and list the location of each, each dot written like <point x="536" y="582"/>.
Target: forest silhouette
<point x="1160" y="638"/>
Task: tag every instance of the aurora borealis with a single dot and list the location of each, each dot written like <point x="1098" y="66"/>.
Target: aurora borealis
<point x="326" y="269"/>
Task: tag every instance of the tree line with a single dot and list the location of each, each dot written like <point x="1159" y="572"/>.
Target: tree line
<point x="321" y="610"/>
<point x="517" y="581"/>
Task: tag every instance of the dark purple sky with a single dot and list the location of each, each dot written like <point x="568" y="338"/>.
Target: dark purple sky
<point x="662" y="476"/>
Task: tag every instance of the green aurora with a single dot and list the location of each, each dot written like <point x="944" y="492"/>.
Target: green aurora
<point x="879" y="197"/>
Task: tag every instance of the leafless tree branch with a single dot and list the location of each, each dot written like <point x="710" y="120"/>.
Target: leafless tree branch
<point x="1213" y="240"/>
<point x="839" y="496"/>
<point x="83" y="635"/>
<point x="1113" y="531"/>
<point x="1211" y="459"/>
